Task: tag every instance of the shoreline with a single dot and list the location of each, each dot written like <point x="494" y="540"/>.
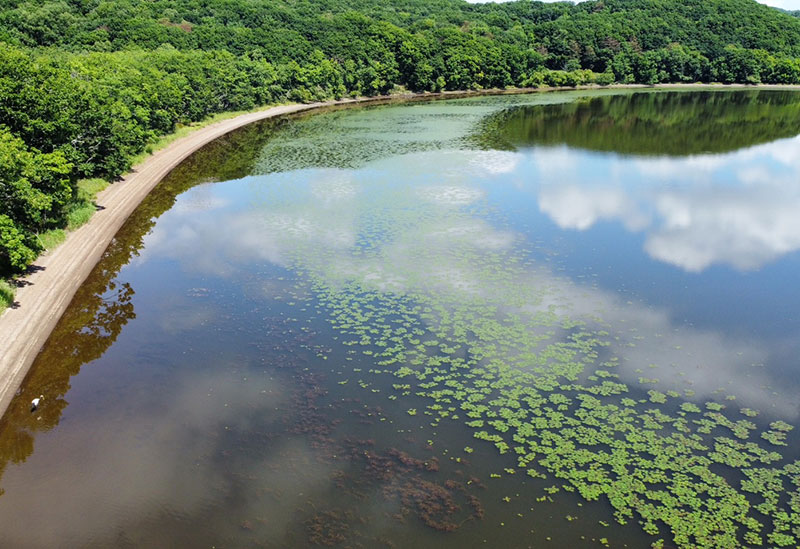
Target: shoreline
<point x="47" y="290"/>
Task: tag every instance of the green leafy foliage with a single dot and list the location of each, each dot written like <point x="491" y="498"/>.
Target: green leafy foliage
<point x="15" y="254"/>
<point x="6" y="294"/>
<point x="34" y="190"/>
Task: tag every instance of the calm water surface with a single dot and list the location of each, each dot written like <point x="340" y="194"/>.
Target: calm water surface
<point x="552" y="320"/>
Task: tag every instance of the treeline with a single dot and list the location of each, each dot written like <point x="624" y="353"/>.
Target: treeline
<point x="85" y="85"/>
<point x="284" y="30"/>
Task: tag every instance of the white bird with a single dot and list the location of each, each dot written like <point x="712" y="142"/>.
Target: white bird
<point x="35" y="403"/>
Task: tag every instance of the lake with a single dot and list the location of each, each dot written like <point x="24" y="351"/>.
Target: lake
<point x="559" y="319"/>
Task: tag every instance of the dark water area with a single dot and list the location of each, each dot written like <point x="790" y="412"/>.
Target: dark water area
<point x="561" y="320"/>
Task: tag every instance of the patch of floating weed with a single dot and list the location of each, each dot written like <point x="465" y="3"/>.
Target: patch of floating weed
<point x="467" y="326"/>
<point x="328" y="528"/>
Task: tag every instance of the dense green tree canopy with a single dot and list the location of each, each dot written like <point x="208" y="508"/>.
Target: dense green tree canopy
<point x="86" y="84"/>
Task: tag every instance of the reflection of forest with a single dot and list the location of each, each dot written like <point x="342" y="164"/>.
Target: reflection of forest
<point x="104" y="304"/>
<point x="673" y="124"/>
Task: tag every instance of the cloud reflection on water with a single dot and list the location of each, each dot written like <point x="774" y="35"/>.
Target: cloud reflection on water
<point x="738" y="209"/>
<point x="444" y="255"/>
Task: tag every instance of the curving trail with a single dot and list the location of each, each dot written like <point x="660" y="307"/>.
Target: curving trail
<point x="55" y="277"/>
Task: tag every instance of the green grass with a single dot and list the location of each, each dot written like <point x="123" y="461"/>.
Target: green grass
<point x="52" y="238"/>
<point x="88" y="188"/>
<point x="84" y="206"/>
<point x="78" y="213"/>
<point x="7" y="291"/>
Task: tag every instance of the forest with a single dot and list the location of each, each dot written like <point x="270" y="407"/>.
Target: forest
<point x="86" y="85"/>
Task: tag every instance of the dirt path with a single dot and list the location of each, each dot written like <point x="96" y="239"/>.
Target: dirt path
<point x="48" y="290"/>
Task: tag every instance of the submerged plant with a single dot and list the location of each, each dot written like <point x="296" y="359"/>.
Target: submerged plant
<point x="477" y="332"/>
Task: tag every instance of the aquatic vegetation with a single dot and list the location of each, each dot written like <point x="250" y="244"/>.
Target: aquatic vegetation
<point x="328" y="528"/>
<point x="462" y="327"/>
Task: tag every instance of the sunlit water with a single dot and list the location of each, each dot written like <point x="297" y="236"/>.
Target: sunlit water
<point x="513" y="321"/>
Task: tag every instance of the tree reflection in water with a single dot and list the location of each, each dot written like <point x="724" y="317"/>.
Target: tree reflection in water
<point x="650" y="123"/>
<point x="103" y="304"/>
